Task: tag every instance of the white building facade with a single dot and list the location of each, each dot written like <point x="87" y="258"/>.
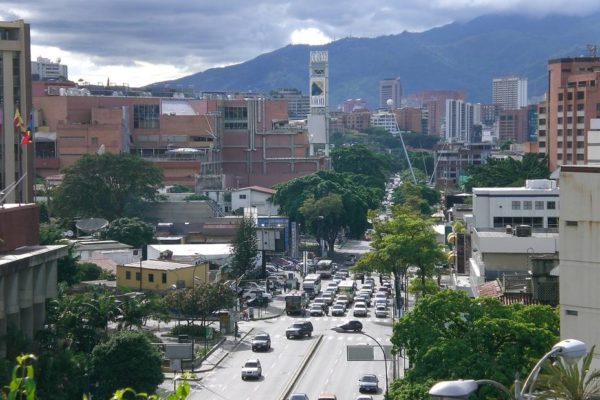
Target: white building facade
<point x="254" y="197"/>
<point x="510" y="92"/>
<point x="385" y="120"/>
<point x="458" y="121"/>
<point x="47" y="69"/>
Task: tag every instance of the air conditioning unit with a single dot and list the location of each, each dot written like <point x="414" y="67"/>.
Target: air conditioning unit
<point x="509" y="230"/>
<point x="523" y="230"/>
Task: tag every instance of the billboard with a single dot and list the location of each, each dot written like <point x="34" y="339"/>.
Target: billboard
<point x="317" y="128"/>
<point x="317" y="92"/>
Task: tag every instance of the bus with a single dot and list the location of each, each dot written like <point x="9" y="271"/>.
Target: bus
<point x="324" y="268"/>
<point x="348" y="288"/>
<point x="312" y="285"/>
<point x="296" y="302"/>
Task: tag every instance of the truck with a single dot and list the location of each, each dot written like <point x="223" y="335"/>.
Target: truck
<point x="296" y="302"/>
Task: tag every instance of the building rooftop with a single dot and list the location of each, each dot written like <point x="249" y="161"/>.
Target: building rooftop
<point x="91" y="245"/>
<point x="161" y="265"/>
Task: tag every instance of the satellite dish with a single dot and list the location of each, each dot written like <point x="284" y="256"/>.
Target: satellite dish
<point x="69" y="233"/>
<point x="91" y="225"/>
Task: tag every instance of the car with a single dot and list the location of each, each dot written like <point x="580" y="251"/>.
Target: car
<point x="361" y="298"/>
<point x="381" y="311"/>
<point x="327" y="396"/>
<point x="261" y="341"/>
<point x="319" y="300"/>
<point x="381" y="302"/>
<point x="381" y="295"/>
<point x="368" y="383"/>
<point x="343" y="297"/>
<point x="338" y="310"/>
<point x="251" y="369"/>
<point x="316" y="310"/>
<point x="328" y="298"/>
<point x="299" y="329"/>
<point x="298" y="396"/>
<point x="360" y="310"/>
<point x="343" y="303"/>
<point x="364" y="397"/>
<point x="350" y="326"/>
<point x="383" y="289"/>
<point x="254" y="292"/>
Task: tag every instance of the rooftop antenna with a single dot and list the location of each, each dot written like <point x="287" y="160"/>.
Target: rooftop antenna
<point x="592" y="49"/>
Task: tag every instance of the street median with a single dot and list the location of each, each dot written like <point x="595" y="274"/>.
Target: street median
<point x="294" y="379"/>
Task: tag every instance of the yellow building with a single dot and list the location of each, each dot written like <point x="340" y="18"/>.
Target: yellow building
<point x="160" y="275"/>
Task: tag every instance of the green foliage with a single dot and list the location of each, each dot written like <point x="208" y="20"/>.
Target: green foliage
<point x="108" y="186"/>
<point x="177" y="188"/>
<point x="451" y="336"/>
<point x="508" y="172"/>
<point x="22" y="384"/>
<point x="419" y="197"/>
<point x="131" y="231"/>
<point x="199" y="302"/>
<point x="192" y="330"/>
<point x="88" y="272"/>
<point x="126" y="360"/>
<point x="196" y="197"/>
<point x="244" y="248"/>
<point x="402" y="389"/>
<point x="67" y="267"/>
<point x="357" y="199"/>
<point x="324" y="217"/>
<point x="417" y="287"/>
<point x="44" y="213"/>
<point x="360" y="160"/>
<point x="51" y="234"/>
<point x="61" y="374"/>
<point x="561" y="380"/>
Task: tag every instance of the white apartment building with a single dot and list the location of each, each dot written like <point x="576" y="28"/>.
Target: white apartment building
<point x="536" y="205"/>
<point x="580" y="255"/>
<point x="459" y="121"/>
<point x="510" y="92"/>
<point x="385" y="120"/>
<point x="47" y="69"/>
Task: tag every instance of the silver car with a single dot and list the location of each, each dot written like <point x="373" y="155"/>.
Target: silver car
<point x="251" y="369"/>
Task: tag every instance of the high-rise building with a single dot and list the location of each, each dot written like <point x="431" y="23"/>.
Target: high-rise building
<point x="44" y="69"/>
<point x="516" y="125"/>
<point x="16" y="159"/>
<point x="435" y="104"/>
<point x="510" y="92"/>
<point x="573" y="96"/>
<point x="459" y="121"/>
<point x="390" y="93"/>
<point x="298" y="104"/>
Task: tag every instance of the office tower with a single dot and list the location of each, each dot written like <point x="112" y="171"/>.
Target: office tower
<point x="573" y="95"/>
<point x="509" y="92"/>
<point x="16" y="159"/>
<point x="435" y="104"/>
<point x="459" y="121"/>
<point x="390" y="93"/>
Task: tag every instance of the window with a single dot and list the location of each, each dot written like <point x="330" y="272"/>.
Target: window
<point x="138" y="276"/>
<point x="570" y="96"/>
<point x="559" y="108"/>
<point x="569" y="157"/>
<point x="516" y="205"/>
<point x="571" y="223"/>
<point x="579" y="132"/>
<point x="580" y="107"/>
<point x="128" y="275"/>
<point x="552" y="222"/>
<point x="560" y="97"/>
<point x="235" y="117"/>
<point x="539" y="205"/>
<point x="542" y="110"/>
<point x="150" y="277"/>
<point x="580" y="157"/>
<point x="570" y="107"/>
<point x="569" y="145"/>
<point x="580" y="120"/>
<point x="559" y="120"/>
<point x="242" y="196"/>
<point x="146" y="116"/>
<point x="569" y="120"/>
<point x="164" y="277"/>
<point x="527" y="205"/>
<point x="559" y="156"/>
<point x="572" y="312"/>
<point x="542" y="121"/>
<point x="559" y="144"/>
<point x="94" y="140"/>
<point x="551" y="205"/>
<point x="580" y="95"/>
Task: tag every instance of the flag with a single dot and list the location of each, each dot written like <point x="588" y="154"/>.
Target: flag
<point x="30" y="122"/>
<point x="26" y="137"/>
<point x="19" y="124"/>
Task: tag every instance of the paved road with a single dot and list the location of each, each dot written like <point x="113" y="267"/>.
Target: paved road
<point x="328" y="369"/>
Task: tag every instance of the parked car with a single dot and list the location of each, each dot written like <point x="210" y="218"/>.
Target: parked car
<point x="364" y="397"/>
<point x="360" y="310"/>
<point x="251" y="369"/>
<point x="350" y="326"/>
<point x="338" y="310"/>
<point x="368" y="383"/>
<point x="254" y="292"/>
<point x="381" y="311"/>
<point x="299" y="329"/>
<point x="261" y="341"/>
<point x="327" y="396"/>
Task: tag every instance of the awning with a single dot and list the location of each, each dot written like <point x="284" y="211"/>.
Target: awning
<point x="44" y="136"/>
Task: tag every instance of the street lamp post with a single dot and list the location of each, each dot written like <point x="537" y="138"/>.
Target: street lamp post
<point x="384" y="361"/>
<point x="570" y="349"/>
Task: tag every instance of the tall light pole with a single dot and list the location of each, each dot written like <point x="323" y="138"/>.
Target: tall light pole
<point x="570" y="349"/>
<point x="384" y="361"/>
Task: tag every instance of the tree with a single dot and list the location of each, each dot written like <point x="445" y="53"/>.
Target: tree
<point x="449" y="336"/>
<point x="200" y="302"/>
<point x="508" y="172"/>
<point x="131" y="231"/>
<point x="360" y="160"/>
<point x="127" y="359"/>
<point x="108" y="185"/>
<point x="244" y="248"/>
<point x="561" y="380"/>
<point x="418" y="196"/>
<point x="324" y="218"/>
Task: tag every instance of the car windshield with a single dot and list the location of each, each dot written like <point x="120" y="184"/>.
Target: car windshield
<point x="369" y="378"/>
<point x="261" y="337"/>
<point x="251" y="364"/>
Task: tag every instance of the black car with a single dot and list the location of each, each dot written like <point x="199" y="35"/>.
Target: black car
<point x="350" y="326"/>
<point x="299" y="329"/>
<point x="261" y="341"/>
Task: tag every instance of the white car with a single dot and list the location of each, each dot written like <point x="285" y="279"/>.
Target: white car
<point x="251" y="369"/>
<point x="253" y="292"/>
<point x="381" y="311"/>
<point x="338" y="310"/>
<point x="360" y="310"/>
<point x="343" y="303"/>
<point x="381" y="302"/>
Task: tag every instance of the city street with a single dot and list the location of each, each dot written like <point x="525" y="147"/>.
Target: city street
<point x="327" y="370"/>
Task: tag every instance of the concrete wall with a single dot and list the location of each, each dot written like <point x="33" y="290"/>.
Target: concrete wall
<point x="19" y="226"/>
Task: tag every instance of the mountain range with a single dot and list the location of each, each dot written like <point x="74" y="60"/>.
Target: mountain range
<point x="458" y="56"/>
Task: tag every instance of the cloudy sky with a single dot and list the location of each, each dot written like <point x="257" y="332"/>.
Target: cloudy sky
<point x="143" y="41"/>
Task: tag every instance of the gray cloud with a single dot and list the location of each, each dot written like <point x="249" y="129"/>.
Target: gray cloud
<point x="199" y="34"/>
